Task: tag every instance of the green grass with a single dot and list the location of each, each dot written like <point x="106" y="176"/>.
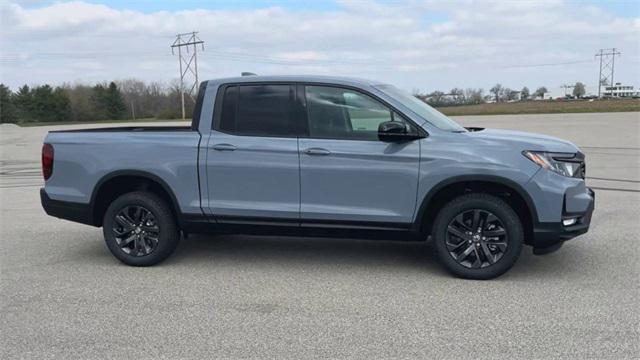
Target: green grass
<point x="544" y="107"/>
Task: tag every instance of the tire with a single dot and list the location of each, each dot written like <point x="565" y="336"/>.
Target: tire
<point x="153" y="241"/>
<point x="486" y="259"/>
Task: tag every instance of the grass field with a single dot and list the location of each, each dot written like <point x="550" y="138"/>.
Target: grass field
<point x="544" y="107"/>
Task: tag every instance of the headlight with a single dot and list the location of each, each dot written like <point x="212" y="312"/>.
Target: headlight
<point x="567" y="164"/>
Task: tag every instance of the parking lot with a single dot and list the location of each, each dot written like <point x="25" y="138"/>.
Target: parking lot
<point x="64" y="295"/>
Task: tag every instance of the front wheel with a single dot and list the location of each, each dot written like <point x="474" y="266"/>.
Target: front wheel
<point x="140" y="229"/>
<point x="478" y="236"/>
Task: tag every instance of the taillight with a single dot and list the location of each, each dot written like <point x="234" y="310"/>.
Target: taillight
<point x="47" y="160"/>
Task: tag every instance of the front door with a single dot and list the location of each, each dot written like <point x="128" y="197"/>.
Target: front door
<point x="347" y="175"/>
<point x="252" y="160"/>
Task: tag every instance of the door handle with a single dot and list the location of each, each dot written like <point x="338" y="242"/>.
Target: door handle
<point x="317" y="151"/>
<point x="223" y="147"/>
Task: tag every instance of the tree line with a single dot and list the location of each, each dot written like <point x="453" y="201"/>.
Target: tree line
<point x="120" y="100"/>
<point x="135" y="99"/>
<point x="497" y="93"/>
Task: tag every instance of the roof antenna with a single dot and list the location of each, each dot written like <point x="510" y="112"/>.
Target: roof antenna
<point x="246" y="73"/>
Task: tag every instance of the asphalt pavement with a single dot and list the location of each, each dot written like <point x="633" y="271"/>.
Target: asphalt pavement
<point x="63" y="295"/>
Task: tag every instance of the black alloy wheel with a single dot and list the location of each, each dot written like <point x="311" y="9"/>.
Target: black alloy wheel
<point x="136" y="230"/>
<point x="140" y="229"/>
<point x="476" y="238"/>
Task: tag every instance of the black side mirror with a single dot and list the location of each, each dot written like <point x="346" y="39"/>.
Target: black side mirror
<point x="391" y="131"/>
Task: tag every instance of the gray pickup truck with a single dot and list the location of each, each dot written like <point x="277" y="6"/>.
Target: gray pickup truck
<point x="320" y="156"/>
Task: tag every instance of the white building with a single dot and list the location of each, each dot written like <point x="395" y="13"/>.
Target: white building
<point x="619" y="90"/>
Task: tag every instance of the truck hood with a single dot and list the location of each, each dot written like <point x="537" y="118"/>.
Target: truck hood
<point x="524" y="140"/>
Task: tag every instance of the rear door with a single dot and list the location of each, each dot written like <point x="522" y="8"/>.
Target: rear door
<point x="252" y="154"/>
<point x="347" y="174"/>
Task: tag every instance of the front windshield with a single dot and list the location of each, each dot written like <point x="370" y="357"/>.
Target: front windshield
<point x="431" y="115"/>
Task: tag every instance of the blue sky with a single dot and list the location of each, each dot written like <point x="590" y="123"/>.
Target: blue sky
<point x="624" y="8"/>
<point x="149" y="6"/>
<point x="424" y="45"/>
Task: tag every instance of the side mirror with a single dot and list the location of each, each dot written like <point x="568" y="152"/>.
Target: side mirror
<point x="392" y="131"/>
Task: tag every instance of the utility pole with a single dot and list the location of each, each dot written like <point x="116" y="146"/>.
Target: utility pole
<point x="188" y="62"/>
<point x="566" y="88"/>
<point x="607" y="64"/>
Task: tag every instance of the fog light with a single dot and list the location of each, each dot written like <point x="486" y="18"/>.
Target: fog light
<point x="569" y="222"/>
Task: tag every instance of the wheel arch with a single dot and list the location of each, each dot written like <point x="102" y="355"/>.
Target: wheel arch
<point x="119" y="182"/>
<point x="502" y="187"/>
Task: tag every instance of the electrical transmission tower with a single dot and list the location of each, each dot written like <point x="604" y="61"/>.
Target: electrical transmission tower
<point x="607" y="64"/>
<point x="188" y="61"/>
<point x="566" y="89"/>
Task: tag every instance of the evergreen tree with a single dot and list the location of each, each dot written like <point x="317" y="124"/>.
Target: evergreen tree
<point x="23" y="102"/>
<point x="114" y="104"/>
<point x="62" y="105"/>
<point x="90" y="103"/>
<point x="49" y="104"/>
<point x="107" y="102"/>
<point x="42" y="102"/>
<point x="7" y="108"/>
<point x="97" y="99"/>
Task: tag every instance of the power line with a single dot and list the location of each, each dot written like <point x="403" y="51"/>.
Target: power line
<point x="64" y="55"/>
<point x="237" y="56"/>
<point x="548" y="64"/>
<point x="242" y="56"/>
<point x="285" y="61"/>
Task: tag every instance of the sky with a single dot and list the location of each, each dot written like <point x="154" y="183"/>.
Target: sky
<point x="417" y="45"/>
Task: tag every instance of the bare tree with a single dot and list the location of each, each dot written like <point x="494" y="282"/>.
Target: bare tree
<point x="436" y="98"/>
<point x="510" y="95"/>
<point x="458" y="96"/>
<point x="474" y="96"/>
<point x="80" y="100"/>
<point x="524" y="93"/>
<point x="496" y="90"/>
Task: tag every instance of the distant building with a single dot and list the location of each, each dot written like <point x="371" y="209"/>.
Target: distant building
<point x="619" y="90"/>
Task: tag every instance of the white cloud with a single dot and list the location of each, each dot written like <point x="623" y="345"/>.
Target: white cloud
<point x="469" y="44"/>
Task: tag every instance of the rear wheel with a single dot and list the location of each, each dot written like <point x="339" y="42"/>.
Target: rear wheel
<point x="478" y="236"/>
<point x="140" y="229"/>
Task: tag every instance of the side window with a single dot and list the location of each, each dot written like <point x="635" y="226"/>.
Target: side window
<point x="229" y="106"/>
<point x="259" y="110"/>
<point x="364" y="112"/>
<point x="339" y="113"/>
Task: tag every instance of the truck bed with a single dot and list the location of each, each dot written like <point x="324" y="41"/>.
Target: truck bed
<point x="87" y="158"/>
<point x="129" y="129"/>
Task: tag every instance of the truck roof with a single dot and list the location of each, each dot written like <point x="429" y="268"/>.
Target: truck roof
<point x="340" y="80"/>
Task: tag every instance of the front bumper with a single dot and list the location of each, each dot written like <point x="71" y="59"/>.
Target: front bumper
<point x="550" y="235"/>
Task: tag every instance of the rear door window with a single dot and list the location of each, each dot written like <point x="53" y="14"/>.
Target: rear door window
<point x="259" y="110"/>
